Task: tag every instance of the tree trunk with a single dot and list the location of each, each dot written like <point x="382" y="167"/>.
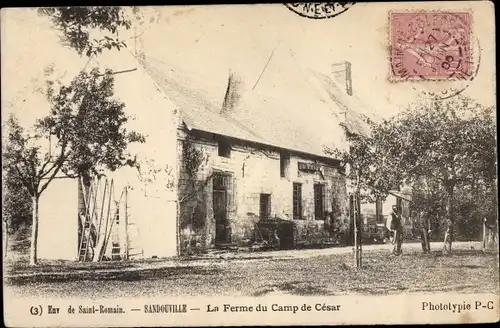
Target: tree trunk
<point x="426" y="243"/>
<point x="485" y="235"/>
<point x="360" y="231"/>
<point x="357" y="224"/>
<point x="424" y="228"/>
<point x="34" y="232"/>
<point x="178" y="227"/>
<point x="493" y="233"/>
<point x="356" y="251"/>
<point x="450" y="220"/>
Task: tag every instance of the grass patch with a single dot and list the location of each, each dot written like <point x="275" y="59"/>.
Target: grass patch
<point x="465" y="271"/>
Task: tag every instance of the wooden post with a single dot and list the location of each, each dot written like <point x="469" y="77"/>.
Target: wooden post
<point x="99" y="221"/>
<point x="101" y="242"/>
<point x="484" y="234"/>
<point x="125" y="219"/>
<point x="357" y="223"/>
<point x="357" y="230"/>
<point x="178" y="227"/>
<point x="359" y="239"/>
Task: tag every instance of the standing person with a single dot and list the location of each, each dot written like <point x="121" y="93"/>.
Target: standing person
<point x="489" y="233"/>
<point x="424" y="231"/>
<point x="397" y="229"/>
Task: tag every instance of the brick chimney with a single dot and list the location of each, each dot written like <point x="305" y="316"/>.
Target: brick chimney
<point x="233" y="93"/>
<point x="342" y="73"/>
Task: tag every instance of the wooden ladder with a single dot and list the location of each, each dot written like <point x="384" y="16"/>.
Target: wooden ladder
<point x="102" y="222"/>
<point x="87" y="241"/>
<point x="92" y="221"/>
<point x="112" y="232"/>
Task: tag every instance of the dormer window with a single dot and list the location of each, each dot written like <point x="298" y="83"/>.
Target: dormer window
<point x="224" y="148"/>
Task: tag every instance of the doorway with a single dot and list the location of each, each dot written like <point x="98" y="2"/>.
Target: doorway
<point x="221" y="189"/>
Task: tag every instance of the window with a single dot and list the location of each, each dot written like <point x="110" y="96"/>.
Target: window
<point x="297" y="201"/>
<point x="265" y="206"/>
<point x="224" y="183"/>
<point x="284" y="164"/>
<point x="220" y="182"/>
<point x="319" y="201"/>
<point x="224" y="149"/>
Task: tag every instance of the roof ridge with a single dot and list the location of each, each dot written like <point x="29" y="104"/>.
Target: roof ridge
<point x="247" y="122"/>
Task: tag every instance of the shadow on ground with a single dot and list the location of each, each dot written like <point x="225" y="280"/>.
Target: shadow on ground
<point x="297" y="287"/>
<point x="136" y="275"/>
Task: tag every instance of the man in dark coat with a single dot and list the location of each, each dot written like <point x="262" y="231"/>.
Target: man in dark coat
<point x="397" y="229"/>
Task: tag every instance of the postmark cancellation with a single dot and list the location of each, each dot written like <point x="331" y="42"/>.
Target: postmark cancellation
<point x="430" y="45"/>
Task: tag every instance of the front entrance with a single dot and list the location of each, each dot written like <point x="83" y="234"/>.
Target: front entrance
<point x="221" y="188"/>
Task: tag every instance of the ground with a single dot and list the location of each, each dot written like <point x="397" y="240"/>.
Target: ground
<point x="298" y="272"/>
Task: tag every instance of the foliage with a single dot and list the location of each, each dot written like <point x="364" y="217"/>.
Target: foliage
<point x="148" y="171"/>
<point x="77" y="23"/>
<point x="192" y="158"/>
<point x="86" y="126"/>
<point x="336" y="203"/>
<point x="442" y="148"/>
<point x="23" y="159"/>
<point x="450" y="141"/>
<point x="16" y="202"/>
<point x="472" y="202"/>
<point x="365" y="163"/>
<point x="448" y="144"/>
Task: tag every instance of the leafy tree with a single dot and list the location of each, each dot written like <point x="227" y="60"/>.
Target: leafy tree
<point x="86" y="131"/>
<point x="16" y="204"/>
<point x="358" y="159"/>
<point x="91" y="29"/>
<point x="448" y="143"/>
<point x="77" y="23"/>
<point x="94" y="129"/>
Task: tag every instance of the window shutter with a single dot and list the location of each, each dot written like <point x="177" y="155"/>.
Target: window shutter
<point x="325" y="200"/>
<point x="269" y="206"/>
<point x="230" y="182"/>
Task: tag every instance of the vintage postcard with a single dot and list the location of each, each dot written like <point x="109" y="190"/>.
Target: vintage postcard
<point x="229" y="165"/>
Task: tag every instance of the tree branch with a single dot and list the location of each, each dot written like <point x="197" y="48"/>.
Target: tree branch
<point x="23" y="180"/>
<point x="205" y="183"/>
<point x="49" y="180"/>
<point x="56" y="166"/>
<point x="57" y="162"/>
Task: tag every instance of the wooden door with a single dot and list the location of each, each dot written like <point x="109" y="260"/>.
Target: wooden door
<point x="220" y="201"/>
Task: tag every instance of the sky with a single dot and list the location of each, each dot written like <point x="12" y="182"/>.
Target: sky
<point x="210" y="41"/>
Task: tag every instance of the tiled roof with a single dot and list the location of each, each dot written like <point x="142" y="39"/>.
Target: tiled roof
<point x="356" y="112"/>
<point x="198" y="111"/>
<point x="261" y="119"/>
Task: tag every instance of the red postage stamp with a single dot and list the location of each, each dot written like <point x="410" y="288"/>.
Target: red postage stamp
<point x="430" y="45"/>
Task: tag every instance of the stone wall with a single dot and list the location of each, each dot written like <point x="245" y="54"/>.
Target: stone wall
<point x="255" y="170"/>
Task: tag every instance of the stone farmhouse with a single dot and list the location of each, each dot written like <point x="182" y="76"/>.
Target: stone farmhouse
<point x="245" y="170"/>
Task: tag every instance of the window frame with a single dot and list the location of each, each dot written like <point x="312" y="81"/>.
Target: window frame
<point x="297" y="201"/>
<point x="223" y="148"/>
<point x="320" y="201"/>
<point x="267" y="209"/>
